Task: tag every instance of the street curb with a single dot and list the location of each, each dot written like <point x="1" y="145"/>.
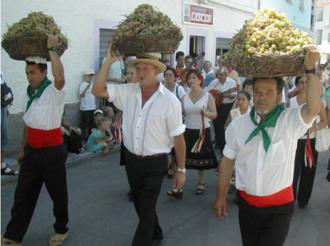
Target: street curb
<point x="72" y="161"/>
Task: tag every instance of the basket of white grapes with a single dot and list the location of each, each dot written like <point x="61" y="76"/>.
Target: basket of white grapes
<point x="268" y="45"/>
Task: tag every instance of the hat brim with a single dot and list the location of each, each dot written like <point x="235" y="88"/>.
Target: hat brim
<point x="161" y="66"/>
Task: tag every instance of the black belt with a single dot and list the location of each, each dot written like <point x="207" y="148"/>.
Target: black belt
<point x="145" y="157"/>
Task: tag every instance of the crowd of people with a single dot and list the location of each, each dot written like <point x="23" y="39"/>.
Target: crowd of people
<point x="162" y="117"/>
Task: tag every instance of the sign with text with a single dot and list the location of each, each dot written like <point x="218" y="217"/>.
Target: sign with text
<point x="198" y="14"/>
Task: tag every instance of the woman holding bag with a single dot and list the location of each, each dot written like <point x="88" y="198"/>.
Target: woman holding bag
<point x="306" y="155"/>
<point x="198" y="109"/>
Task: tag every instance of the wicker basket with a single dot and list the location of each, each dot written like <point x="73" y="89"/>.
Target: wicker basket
<point x="22" y="47"/>
<point x="269" y="66"/>
<point x="164" y="44"/>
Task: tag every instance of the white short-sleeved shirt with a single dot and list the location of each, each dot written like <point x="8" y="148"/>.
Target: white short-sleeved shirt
<point x="229" y="84"/>
<point x="151" y="129"/>
<point x="259" y="172"/>
<point x="192" y="111"/>
<point x="178" y="91"/>
<point x="235" y="113"/>
<point x="88" y="101"/>
<point x="45" y="112"/>
<point x="116" y="70"/>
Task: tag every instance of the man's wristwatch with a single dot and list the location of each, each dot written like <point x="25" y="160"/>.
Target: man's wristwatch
<point x="313" y="71"/>
<point x="181" y="170"/>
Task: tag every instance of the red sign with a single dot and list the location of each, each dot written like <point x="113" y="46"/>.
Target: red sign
<point x="201" y="15"/>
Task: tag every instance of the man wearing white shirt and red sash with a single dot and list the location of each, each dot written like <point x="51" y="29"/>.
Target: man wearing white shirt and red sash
<point x="262" y="146"/>
<point x="152" y="125"/>
<point x="42" y="154"/>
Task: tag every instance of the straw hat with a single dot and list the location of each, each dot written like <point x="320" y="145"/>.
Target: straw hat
<point x="149" y="58"/>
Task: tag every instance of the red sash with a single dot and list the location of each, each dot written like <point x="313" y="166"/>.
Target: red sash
<point x="37" y="138"/>
<point x="279" y="198"/>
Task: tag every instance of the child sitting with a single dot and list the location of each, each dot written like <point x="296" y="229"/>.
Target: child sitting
<point x="100" y="139"/>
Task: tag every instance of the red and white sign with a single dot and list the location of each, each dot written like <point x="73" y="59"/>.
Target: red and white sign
<point x="198" y="14"/>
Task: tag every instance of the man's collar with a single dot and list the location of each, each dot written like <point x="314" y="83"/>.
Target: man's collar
<point x="161" y="87"/>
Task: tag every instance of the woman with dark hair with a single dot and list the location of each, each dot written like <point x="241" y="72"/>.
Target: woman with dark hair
<point x="243" y="107"/>
<point x="179" y="92"/>
<point x="171" y="84"/>
<point x="198" y="109"/>
<point x="306" y="155"/>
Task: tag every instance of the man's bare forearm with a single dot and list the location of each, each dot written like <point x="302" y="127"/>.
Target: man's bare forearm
<point x="226" y="172"/>
<point x="57" y="70"/>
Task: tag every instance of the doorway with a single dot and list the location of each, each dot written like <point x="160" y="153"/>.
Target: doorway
<point x="196" y="48"/>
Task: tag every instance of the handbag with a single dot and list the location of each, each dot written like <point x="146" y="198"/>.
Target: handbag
<point x="322" y="140"/>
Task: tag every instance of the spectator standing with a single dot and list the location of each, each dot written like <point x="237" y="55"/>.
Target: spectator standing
<point x="227" y="87"/>
<point x="6" y="100"/>
<point x="87" y="103"/>
<point x="208" y="73"/>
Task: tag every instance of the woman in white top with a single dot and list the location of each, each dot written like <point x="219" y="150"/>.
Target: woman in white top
<point x="198" y="108"/>
<point x="304" y="172"/>
<point x="243" y="107"/>
<point x="179" y="92"/>
<point x="171" y="85"/>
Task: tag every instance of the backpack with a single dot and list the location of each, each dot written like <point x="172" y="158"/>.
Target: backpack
<point x="7" y="96"/>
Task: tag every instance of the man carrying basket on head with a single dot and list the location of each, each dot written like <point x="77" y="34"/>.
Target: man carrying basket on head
<point x="42" y="153"/>
<point x="152" y="124"/>
<point x="262" y="145"/>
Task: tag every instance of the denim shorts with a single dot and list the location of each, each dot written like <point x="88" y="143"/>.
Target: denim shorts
<point x="4" y="129"/>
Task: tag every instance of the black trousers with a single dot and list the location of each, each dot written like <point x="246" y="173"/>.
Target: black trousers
<point x="46" y="165"/>
<point x="303" y="179"/>
<point x="219" y="124"/>
<point x="267" y="226"/>
<point x="145" y="178"/>
<point x="87" y="123"/>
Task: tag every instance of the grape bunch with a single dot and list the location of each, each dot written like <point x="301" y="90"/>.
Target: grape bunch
<point x="268" y="33"/>
<point x="146" y="21"/>
<point x="36" y="24"/>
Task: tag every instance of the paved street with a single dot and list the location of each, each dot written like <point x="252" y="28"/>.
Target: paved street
<point x="101" y="215"/>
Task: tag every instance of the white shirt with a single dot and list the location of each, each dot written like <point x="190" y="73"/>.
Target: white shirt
<point x="45" y="112"/>
<point x="229" y="84"/>
<point x="151" y="129"/>
<point x="88" y="101"/>
<point x="259" y="172"/>
<point x="235" y="113"/>
<point x="192" y="111"/>
<point x="178" y="91"/>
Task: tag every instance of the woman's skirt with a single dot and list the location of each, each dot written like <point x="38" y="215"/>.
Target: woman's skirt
<point x="206" y="159"/>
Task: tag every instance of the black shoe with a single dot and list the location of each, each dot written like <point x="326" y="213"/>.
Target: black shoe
<point x="302" y="206"/>
<point x="178" y="193"/>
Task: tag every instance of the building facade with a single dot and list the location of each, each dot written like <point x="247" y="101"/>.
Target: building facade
<point x="321" y="28"/>
<point x="298" y="11"/>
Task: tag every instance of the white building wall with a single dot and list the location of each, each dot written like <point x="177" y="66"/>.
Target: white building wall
<point x="324" y="25"/>
<point x="80" y="20"/>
